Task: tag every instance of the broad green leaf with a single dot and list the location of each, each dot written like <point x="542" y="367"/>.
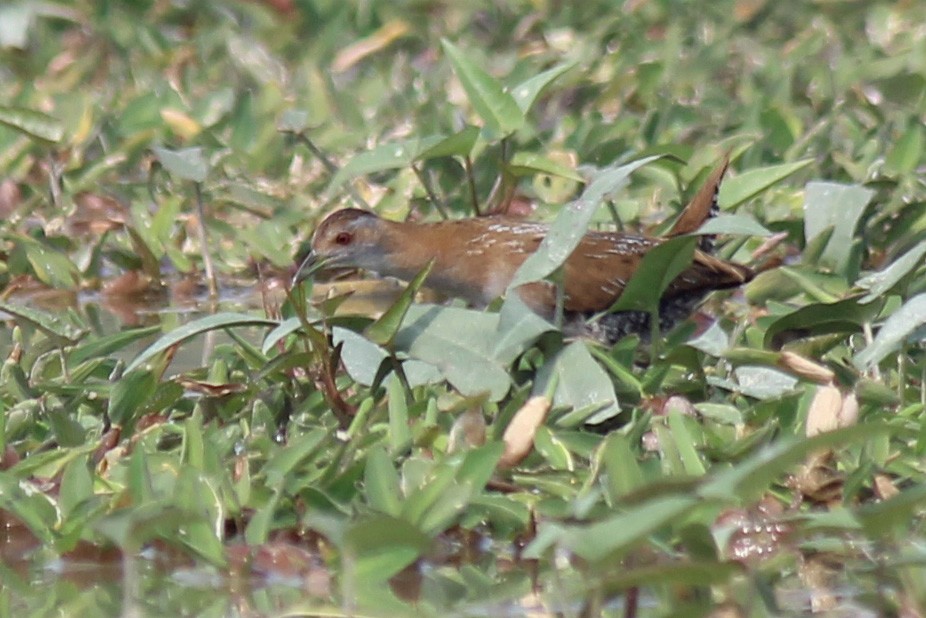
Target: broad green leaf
<point x="659" y="267"/>
<point x="751" y="478"/>
<point x="526" y="93"/>
<point x="552" y="449"/>
<point x="284" y="329"/>
<point x="495" y="106"/>
<point x="526" y="163"/>
<point x="762" y="382"/>
<point x="623" y="473"/>
<point x="814" y="284"/>
<point x="894" y="514"/>
<point x="400" y="436"/>
<point x="894" y="332"/>
<point x="572" y="222"/>
<point x="198" y="497"/>
<point x="130" y="395"/>
<point x="198" y="327"/>
<point x="389" y="156"/>
<point x="836" y="206"/>
<point x="581" y="383"/>
<point x="518" y="328"/>
<point x="76" y="485"/>
<point x="34" y="509"/>
<point x="294" y="121"/>
<point x="51" y="267"/>
<point x="735" y="225"/>
<point x="701" y="573"/>
<point x="16" y="19"/>
<point x="384" y="329"/>
<point x="379" y="546"/>
<point x="714" y="341"/>
<point x="187" y="164"/>
<point x="737" y="190"/>
<point x="685" y="445"/>
<point x="619" y="533"/>
<point x="907" y="152"/>
<point x="55" y="327"/>
<point x="381" y="483"/>
<point x="439" y="483"/>
<point x="883" y="281"/>
<point x="362" y="359"/>
<point x="844" y="316"/>
<point x="459" y="144"/>
<point x="460" y="343"/>
<point x="259" y="528"/>
<point x="286" y="460"/>
<point x="109" y="344"/>
<point x="32" y="123"/>
<point x="479" y="464"/>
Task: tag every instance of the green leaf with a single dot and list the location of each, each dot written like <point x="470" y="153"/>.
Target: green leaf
<point x="526" y="93"/>
<point x="293" y="121"/>
<point x="381" y="483"/>
<point x="362" y="359"/>
<point x="831" y="205"/>
<point x="844" y="316"/>
<point x="552" y="449"/>
<point x="479" y="464"/>
<point x="702" y="573"/>
<point x="286" y="460"/>
<point x="460" y="343"/>
<point x="51" y="267"/>
<point x="130" y="395"/>
<point x="737" y="190"/>
<point x="619" y="533"/>
<point x="400" y="435"/>
<point x="518" y="328"/>
<point x="896" y="329"/>
<point x="380" y="546"/>
<point x="53" y="326"/>
<point x="187" y="164"/>
<point x="384" y="329"/>
<point x="734" y="225"/>
<point x="197" y="327"/>
<point x="908" y="150"/>
<point x="459" y="144"/>
<point x="893" y="515"/>
<point x="572" y="222"/>
<point x="621" y="466"/>
<point x="752" y="477"/>
<point x="32" y="123"/>
<point x="108" y="344"/>
<point x="763" y="383"/>
<point x="882" y="282"/>
<point x="527" y="163"/>
<point x="659" y="267"/>
<point x="495" y="106"/>
<point x="283" y="330"/>
<point x="581" y="384"/>
<point x="685" y="444"/>
<point x="389" y="156"/>
<point x="16" y="19"/>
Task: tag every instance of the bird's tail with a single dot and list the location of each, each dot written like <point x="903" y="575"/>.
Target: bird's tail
<point x="701" y="208"/>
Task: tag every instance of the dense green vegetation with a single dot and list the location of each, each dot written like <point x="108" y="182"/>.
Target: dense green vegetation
<point x="764" y="457"/>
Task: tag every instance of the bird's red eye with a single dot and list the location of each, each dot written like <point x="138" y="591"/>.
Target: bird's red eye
<point x="343" y="238"/>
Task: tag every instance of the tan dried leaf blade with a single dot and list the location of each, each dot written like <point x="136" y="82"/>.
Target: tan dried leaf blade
<point x="519" y="435"/>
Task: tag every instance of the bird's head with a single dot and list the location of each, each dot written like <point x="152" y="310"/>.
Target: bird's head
<point x="349" y="238"/>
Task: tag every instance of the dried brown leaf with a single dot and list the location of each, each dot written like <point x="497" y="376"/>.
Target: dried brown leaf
<point x="806" y="368"/>
<point x="519" y="435"/>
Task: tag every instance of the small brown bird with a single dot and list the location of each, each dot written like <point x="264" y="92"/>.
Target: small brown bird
<point x="475" y="259"/>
